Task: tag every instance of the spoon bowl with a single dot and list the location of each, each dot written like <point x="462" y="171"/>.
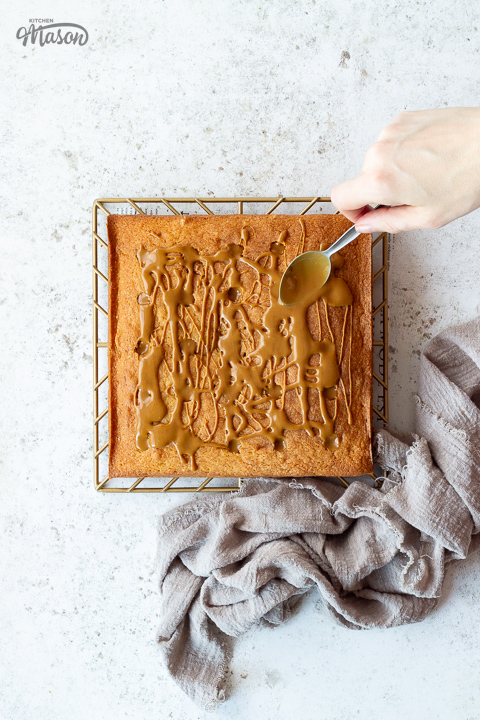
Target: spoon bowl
<point x="304" y="277"/>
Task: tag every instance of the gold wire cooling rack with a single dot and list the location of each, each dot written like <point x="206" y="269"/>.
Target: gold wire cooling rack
<point x="209" y="206"/>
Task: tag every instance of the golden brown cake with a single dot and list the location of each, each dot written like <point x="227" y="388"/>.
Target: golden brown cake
<point x="210" y="375"/>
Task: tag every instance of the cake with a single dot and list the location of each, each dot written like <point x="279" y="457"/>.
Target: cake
<point x="210" y="375"/>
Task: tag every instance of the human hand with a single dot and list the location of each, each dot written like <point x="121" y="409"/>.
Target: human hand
<point x="425" y="166"/>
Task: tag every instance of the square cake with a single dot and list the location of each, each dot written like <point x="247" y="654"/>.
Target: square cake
<point x="211" y="375"/>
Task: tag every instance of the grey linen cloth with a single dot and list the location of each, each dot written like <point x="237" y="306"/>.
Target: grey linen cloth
<point x="376" y="556"/>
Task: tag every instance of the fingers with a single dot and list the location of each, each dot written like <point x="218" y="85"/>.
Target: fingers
<point x="355" y="215"/>
<point x="376" y="184"/>
<point x="393" y="220"/>
<point x="353" y="195"/>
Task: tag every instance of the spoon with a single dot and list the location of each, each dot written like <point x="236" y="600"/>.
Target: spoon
<point x="309" y="272"/>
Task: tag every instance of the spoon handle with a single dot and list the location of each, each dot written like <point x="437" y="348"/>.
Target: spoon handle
<point x="346" y="238"/>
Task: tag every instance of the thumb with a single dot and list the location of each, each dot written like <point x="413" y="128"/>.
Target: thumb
<point x="391" y="219"/>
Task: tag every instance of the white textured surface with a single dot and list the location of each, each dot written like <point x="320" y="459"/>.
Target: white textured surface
<point x="218" y="98"/>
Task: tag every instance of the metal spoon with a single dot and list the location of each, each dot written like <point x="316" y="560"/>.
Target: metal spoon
<point x="308" y="272"/>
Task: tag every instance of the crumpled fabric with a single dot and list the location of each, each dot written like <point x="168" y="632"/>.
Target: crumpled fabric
<point x="376" y="556"/>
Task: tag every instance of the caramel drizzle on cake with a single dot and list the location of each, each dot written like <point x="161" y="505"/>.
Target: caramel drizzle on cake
<point x="229" y="356"/>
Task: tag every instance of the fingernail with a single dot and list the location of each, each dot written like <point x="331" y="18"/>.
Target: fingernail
<point x="363" y="228"/>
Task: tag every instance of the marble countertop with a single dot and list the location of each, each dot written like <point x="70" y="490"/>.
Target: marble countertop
<point x="184" y="98"/>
